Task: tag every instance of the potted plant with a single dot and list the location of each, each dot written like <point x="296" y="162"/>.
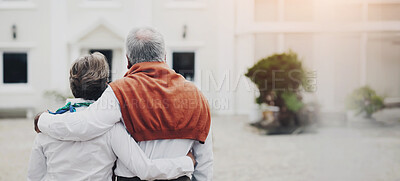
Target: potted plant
<point x="364" y="101"/>
<point x="279" y="79"/>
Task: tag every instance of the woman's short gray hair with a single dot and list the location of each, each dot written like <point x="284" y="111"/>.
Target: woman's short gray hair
<point x="145" y="45"/>
<point x="88" y="76"/>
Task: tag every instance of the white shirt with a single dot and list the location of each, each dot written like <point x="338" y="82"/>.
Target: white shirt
<point x="103" y="114"/>
<point x="52" y="159"/>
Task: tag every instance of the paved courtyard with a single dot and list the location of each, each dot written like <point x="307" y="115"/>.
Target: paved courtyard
<point x="365" y="153"/>
<point x="351" y="153"/>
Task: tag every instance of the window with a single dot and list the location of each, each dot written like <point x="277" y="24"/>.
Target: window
<point x="108" y="54"/>
<point x="289" y="10"/>
<point x="265" y="45"/>
<point x="302" y="44"/>
<point x="266" y="10"/>
<point x="348" y="12"/>
<point x="298" y="10"/>
<point x="383" y="63"/>
<point x="15" y="68"/>
<point x="183" y="63"/>
<point x="384" y="12"/>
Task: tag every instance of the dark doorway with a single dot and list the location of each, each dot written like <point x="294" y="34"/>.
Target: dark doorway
<point x="183" y="63"/>
<point x="108" y="54"/>
<point x="15" y="68"/>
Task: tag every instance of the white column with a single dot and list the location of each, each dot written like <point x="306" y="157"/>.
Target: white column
<point x="58" y="52"/>
<point x="363" y="62"/>
<point x="364" y="11"/>
<point x="281" y="18"/>
<point x="226" y="54"/>
<point x="244" y="89"/>
<point x="325" y="67"/>
<point x="281" y="43"/>
<point x="363" y="44"/>
<point x="244" y="57"/>
<point x="244" y="15"/>
<point x="281" y="10"/>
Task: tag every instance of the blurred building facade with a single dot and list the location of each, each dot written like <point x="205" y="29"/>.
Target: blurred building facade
<point x="344" y="44"/>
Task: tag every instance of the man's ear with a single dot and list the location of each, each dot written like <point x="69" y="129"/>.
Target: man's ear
<point x="129" y="62"/>
<point x="165" y="58"/>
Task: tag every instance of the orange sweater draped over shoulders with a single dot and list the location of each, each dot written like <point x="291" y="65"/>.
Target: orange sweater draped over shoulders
<point x="157" y="103"/>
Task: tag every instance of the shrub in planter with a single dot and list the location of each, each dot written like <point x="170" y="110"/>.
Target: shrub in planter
<point x="364" y="100"/>
<point x="279" y="78"/>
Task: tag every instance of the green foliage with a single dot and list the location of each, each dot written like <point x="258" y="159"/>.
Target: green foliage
<point x="292" y="102"/>
<point x="364" y="99"/>
<point x="259" y="100"/>
<point x="279" y="73"/>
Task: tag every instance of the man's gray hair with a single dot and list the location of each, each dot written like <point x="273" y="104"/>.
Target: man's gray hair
<point x="145" y="45"/>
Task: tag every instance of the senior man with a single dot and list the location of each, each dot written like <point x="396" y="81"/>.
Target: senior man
<point x="166" y="114"/>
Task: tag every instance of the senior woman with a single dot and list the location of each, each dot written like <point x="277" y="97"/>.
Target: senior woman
<point x="53" y="159"/>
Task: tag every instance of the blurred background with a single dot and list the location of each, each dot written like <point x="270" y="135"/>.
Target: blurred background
<point x="340" y="123"/>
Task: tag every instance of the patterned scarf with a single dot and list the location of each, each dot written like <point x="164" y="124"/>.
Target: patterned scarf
<point x="70" y="107"/>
